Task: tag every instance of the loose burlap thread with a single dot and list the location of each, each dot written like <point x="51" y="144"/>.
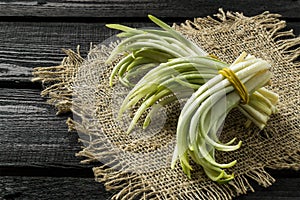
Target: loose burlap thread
<point x="138" y="167"/>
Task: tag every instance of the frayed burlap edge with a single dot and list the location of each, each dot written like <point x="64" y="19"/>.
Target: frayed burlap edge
<point x="56" y="80"/>
<point x="129" y="186"/>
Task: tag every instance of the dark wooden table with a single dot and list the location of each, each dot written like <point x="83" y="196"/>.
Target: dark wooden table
<point x="36" y="151"/>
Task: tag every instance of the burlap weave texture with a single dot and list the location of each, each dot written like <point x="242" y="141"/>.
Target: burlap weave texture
<point x="139" y="167"/>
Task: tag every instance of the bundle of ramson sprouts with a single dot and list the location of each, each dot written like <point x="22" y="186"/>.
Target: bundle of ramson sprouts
<point x="156" y="63"/>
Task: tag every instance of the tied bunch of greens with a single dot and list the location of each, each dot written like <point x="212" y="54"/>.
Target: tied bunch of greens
<point x="156" y="63"/>
<point x="205" y="112"/>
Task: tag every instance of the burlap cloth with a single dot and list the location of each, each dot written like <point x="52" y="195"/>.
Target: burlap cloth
<point x="138" y="166"/>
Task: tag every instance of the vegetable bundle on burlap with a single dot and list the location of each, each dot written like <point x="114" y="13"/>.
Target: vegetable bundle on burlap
<point x="161" y="61"/>
<point x="138" y="165"/>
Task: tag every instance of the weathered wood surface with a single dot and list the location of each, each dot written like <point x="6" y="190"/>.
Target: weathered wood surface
<point x="41" y="188"/>
<point x="20" y="187"/>
<point x="37" y="158"/>
<point x="32" y="135"/>
<point x="25" y="45"/>
<point x="138" y="8"/>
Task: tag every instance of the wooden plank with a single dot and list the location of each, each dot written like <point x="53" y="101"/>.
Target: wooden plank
<point x="32" y="135"/>
<point x="86" y="188"/>
<point x="51" y="188"/>
<point x="24" y="45"/>
<point x="137" y="8"/>
<point x="31" y="44"/>
<point x="286" y="186"/>
<point x="283" y="188"/>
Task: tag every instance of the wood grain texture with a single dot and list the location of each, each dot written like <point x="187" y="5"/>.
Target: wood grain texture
<point x="25" y="45"/>
<point x="19" y="188"/>
<point x="283" y="188"/>
<point x="32" y="135"/>
<point x="86" y="188"/>
<point x="137" y="8"/>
